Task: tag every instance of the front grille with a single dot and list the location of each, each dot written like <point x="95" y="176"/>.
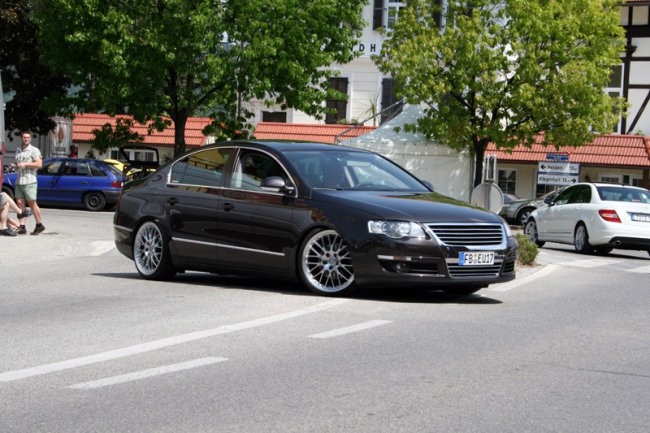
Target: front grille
<point x="468" y="234"/>
<point x="456" y="271"/>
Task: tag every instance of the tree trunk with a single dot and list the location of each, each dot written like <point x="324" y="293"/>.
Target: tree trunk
<point x="179" y="134"/>
<point x="479" y="154"/>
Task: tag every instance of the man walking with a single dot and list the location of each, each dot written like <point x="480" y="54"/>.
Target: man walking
<point x="28" y="161"/>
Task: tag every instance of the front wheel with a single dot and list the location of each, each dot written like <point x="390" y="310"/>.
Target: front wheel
<point x="325" y="264"/>
<point x="151" y="253"/>
<point x="531" y="231"/>
<point x="94" y="201"/>
<point x="581" y="240"/>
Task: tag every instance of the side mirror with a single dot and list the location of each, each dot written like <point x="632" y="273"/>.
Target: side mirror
<point x="276" y="184"/>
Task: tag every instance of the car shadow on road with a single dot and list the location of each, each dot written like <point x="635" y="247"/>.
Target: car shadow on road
<point x="231" y="282"/>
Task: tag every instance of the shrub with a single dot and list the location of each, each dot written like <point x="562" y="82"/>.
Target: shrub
<point x="527" y="250"/>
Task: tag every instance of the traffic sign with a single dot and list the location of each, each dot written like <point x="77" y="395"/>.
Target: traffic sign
<point x="557" y="156"/>
<point x="558" y="167"/>
<point x="557" y="179"/>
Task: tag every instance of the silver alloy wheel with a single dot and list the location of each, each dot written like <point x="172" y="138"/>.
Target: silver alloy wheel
<point x="326" y="264"/>
<point x="149" y="250"/>
<point x="522" y="215"/>
<point x="581" y="240"/>
<point x="530" y="230"/>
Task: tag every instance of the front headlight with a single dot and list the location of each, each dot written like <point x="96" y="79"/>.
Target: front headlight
<point x="507" y="228"/>
<point x="396" y="229"/>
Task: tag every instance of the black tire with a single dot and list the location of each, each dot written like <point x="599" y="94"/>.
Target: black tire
<point x="522" y="215"/>
<point x="94" y="201"/>
<point x="325" y="265"/>
<point x="8" y="191"/>
<point x="530" y="230"/>
<point x="581" y="240"/>
<point x="151" y="253"/>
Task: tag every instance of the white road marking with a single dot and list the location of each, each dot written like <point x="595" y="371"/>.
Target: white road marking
<point x="164" y="342"/>
<point x="641" y="269"/>
<point x="589" y="263"/>
<point x="350" y="329"/>
<point x="504" y="287"/>
<point x="144" y="374"/>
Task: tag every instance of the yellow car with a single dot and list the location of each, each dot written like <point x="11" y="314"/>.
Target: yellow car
<point x="121" y="166"/>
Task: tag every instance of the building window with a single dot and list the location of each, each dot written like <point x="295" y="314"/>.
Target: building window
<point x="274" y="116"/>
<point x="608" y="178"/>
<point x="507" y="180"/>
<point x="390" y="105"/>
<point x="386" y="13"/>
<point x="338" y="107"/>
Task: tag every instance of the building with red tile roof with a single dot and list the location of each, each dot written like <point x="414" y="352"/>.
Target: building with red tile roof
<point x="84" y="124"/>
<point x="309" y="132"/>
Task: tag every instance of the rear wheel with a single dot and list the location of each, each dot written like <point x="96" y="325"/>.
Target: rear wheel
<point x="94" y="201"/>
<point x="325" y="264"/>
<point x="581" y="240"/>
<point x="8" y="191"/>
<point x="531" y="231"/>
<point x="522" y="215"/>
<point x="151" y="253"/>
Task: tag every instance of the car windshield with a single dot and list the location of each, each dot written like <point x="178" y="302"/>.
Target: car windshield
<point x="343" y="169"/>
<point x="617" y="193"/>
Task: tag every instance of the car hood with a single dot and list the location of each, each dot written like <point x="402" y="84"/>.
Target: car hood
<point x="424" y="207"/>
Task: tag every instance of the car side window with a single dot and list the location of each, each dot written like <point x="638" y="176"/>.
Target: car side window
<point x="582" y="194"/>
<point x="203" y="168"/>
<point x="52" y="168"/>
<point x="565" y="196"/>
<point x="253" y="167"/>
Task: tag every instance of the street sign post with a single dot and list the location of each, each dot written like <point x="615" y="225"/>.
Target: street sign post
<point x="557" y="172"/>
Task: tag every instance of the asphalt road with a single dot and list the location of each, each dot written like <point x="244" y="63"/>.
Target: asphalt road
<point x="88" y="346"/>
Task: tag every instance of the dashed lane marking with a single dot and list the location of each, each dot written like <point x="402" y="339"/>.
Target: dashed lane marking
<point x="164" y="342"/>
<point x="350" y="329"/>
<point x="144" y="374"/>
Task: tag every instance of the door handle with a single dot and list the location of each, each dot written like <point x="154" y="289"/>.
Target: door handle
<point x="228" y="206"/>
<point x="172" y="201"/>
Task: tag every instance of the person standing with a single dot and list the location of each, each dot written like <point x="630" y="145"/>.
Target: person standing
<point x="74" y="151"/>
<point x="28" y="161"/>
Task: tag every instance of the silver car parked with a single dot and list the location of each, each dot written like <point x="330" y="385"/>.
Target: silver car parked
<point x="517" y="211"/>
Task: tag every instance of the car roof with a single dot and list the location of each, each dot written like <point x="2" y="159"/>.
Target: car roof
<point x="285" y="145"/>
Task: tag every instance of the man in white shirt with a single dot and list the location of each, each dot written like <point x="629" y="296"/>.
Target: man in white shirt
<point x="28" y="161"/>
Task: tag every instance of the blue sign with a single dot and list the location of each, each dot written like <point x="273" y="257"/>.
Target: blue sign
<point x="557" y="157"/>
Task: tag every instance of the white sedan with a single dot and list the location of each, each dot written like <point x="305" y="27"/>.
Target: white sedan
<point x="595" y="218"/>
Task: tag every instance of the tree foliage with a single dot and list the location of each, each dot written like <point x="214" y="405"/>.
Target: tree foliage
<point x="506" y="71"/>
<point x="35" y="90"/>
<point x="180" y="58"/>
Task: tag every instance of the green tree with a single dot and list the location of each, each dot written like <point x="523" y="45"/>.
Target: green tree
<point x="180" y="58"/>
<point x="504" y="71"/>
<point x="35" y="91"/>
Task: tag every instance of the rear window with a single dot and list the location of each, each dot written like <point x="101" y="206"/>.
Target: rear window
<point x="624" y="194"/>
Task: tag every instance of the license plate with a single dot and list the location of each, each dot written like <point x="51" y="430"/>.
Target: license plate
<point x="640" y="217"/>
<point x="476" y="258"/>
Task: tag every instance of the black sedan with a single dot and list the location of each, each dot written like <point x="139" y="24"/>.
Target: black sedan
<point x="334" y="217"/>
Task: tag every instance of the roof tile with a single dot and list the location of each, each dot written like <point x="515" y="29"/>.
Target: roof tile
<point x="309" y="132"/>
<point x="84" y="124"/>
<point x="606" y="150"/>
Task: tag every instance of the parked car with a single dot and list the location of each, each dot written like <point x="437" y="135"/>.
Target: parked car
<point x="595" y="218"/>
<point x="75" y="181"/>
<point x="333" y="217"/>
<point x="517" y="211"/>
